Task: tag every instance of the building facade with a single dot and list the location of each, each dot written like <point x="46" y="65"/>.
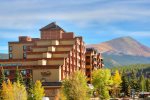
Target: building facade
<point x="94" y="61"/>
<point x="50" y="58"/>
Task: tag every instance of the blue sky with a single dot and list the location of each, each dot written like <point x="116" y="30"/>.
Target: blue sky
<point x="96" y="20"/>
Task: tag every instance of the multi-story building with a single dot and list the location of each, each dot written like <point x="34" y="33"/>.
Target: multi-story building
<point x="50" y="58"/>
<point x="94" y="61"/>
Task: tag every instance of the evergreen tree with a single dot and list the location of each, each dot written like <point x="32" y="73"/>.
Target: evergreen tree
<point x="147" y="82"/>
<point x="125" y="87"/>
<point x="133" y="81"/>
<point x="30" y="86"/>
<point x="2" y="78"/>
<point x="142" y="83"/>
<point x="17" y="75"/>
<point x="21" y="79"/>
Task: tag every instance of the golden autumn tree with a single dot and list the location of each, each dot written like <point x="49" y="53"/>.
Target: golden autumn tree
<point x="7" y="91"/>
<point x="116" y="83"/>
<point x="38" y="91"/>
<point x="19" y="91"/>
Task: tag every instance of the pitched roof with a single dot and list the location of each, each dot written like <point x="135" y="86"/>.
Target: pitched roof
<point x="52" y="26"/>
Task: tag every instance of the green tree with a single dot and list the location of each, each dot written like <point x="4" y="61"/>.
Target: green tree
<point x="142" y="83"/>
<point x="101" y="79"/>
<point x="147" y="82"/>
<point x="75" y="87"/>
<point x="134" y="81"/>
<point x="125" y="86"/>
<point x="2" y="78"/>
<point x="19" y="77"/>
<point x="38" y="91"/>
<point x="30" y="86"/>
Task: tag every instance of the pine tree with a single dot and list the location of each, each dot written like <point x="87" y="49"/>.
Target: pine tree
<point x="142" y="83"/>
<point x="147" y="82"/>
<point x="38" y="91"/>
<point x="21" y="79"/>
<point x="3" y="78"/>
<point x="17" y="75"/>
<point x="125" y="87"/>
<point x="133" y="80"/>
<point x="30" y="86"/>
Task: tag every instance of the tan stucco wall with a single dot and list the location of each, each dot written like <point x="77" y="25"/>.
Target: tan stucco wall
<point x="67" y="42"/>
<point x="43" y="43"/>
<point x="51" y="48"/>
<point x="35" y="56"/>
<point x="17" y="50"/>
<point x="47" y="55"/>
<point x="63" y="49"/>
<point x="53" y="77"/>
<point x="59" y="55"/>
<point x="55" y="62"/>
<point x="39" y="49"/>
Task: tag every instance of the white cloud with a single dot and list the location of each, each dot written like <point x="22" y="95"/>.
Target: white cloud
<point x="25" y="14"/>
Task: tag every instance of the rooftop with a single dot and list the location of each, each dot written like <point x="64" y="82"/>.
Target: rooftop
<point x="52" y="26"/>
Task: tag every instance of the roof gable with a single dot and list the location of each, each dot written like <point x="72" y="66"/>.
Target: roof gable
<point x="51" y="26"/>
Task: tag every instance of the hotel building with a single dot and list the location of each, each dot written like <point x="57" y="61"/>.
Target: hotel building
<point x="94" y="61"/>
<point x="50" y="58"/>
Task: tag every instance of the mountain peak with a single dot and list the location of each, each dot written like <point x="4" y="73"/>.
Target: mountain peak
<point x="123" y="45"/>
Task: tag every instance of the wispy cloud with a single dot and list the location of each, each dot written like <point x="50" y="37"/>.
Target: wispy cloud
<point x="25" y="14"/>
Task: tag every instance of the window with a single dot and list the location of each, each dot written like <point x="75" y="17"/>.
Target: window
<point x="6" y="72"/>
<point x="10" y="55"/>
<point x="87" y="57"/>
<point x="23" y="72"/>
<point x="87" y="70"/>
<point x="24" y="47"/>
<point x="24" y="55"/>
<point x="10" y="48"/>
<point x="87" y="63"/>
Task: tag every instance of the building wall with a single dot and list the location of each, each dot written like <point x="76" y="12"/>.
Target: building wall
<point x="46" y="75"/>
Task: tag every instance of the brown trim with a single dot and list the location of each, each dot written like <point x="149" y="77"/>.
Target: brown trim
<point x="33" y="59"/>
<point x="56" y="52"/>
<point x="52" y="45"/>
<point x="31" y="67"/>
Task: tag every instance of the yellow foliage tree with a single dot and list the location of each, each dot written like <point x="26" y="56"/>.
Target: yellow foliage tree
<point x="19" y="91"/>
<point x="116" y="83"/>
<point x="7" y="91"/>
<point x="38" y="91"/>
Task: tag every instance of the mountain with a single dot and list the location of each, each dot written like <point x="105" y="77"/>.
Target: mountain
<point x="3" y="56"/>
<point x="123" y="51"/>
